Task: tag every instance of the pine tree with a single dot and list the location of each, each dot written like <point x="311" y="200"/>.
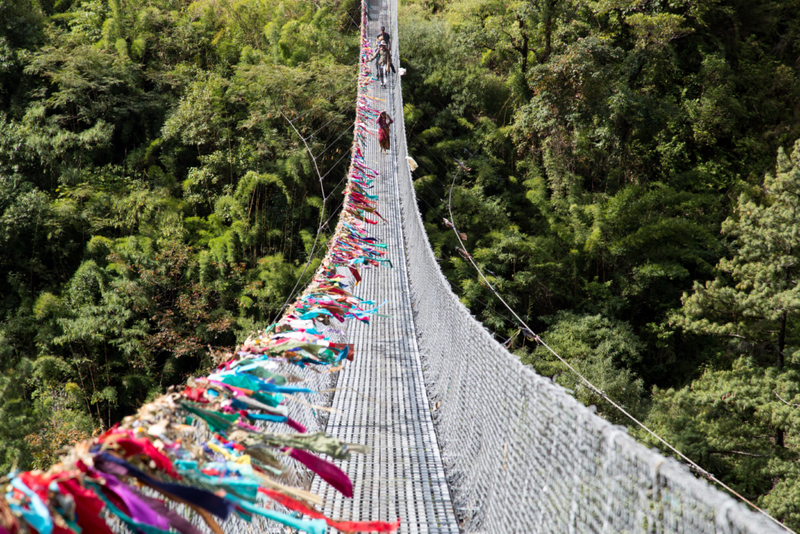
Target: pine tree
<point x="740" y="417"/>
<point x="758" y="293"/>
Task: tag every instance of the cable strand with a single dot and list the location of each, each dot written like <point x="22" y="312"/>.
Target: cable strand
<point x="691" y="464"/>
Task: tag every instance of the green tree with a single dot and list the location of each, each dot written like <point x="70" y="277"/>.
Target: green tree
<point x="517" y="32"/>
<point x="757" y="296"/>
<point x="740" y="417"/>
<point x="155" y="205"/>
<point x="741" y="423"/>
<point x="602" y="350"/>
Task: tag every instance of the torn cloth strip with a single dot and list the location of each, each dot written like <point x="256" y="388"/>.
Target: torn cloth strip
<point x="205" y="445"/>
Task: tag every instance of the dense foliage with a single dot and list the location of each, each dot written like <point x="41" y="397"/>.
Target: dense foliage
<point x="156" y="205"/>
<point x="615" y="174"/>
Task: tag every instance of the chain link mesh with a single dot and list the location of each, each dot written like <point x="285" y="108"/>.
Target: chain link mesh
<point x="521" y="454"/>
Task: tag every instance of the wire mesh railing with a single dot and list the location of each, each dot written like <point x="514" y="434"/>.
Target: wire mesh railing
<point x="237" y="446"/>
<point x="521" y="454"/>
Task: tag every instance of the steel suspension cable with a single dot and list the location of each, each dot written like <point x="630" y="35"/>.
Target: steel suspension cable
<point x="319" y="226"/>
<point x="591" y="386"/>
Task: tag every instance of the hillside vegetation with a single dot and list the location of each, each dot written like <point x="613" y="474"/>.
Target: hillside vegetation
<point x="156" y="205"/>
<point x="626" y="175"/>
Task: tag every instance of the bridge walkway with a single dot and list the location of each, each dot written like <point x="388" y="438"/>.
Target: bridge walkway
<point x="381" y="399"/>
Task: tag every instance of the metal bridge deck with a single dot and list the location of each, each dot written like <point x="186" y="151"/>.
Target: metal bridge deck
<point x="381" y="399"/>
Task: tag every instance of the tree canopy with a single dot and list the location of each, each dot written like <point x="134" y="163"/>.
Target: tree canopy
<point x="615" y="174"/>
<point x="156" y="205"/>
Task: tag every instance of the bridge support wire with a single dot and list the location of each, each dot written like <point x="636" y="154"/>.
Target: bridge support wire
<point x="520" y="453"/>
<point x="380" y="399"/>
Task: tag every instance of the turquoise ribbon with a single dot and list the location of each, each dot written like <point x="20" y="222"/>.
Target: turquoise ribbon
<point x="38" y="516"/>
<point x="312" y="526"/>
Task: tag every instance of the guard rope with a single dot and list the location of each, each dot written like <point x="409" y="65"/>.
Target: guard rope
<point x="227" y="446"/>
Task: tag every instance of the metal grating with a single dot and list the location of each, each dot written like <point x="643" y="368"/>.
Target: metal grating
<point x="381" y="399"/>
<point x="520" y="454"/>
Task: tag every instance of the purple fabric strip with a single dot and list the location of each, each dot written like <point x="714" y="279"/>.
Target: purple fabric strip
<point x="178" y="522"/>
<point x="138" y="510"/>
<point x="111" y="468"/>
<point x="206" y="500"/>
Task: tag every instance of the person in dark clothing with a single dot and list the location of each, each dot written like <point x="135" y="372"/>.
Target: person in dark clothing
<point x="385" y="37"/>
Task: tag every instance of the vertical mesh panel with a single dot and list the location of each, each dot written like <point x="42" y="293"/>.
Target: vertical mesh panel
<point x="521" y="454"/>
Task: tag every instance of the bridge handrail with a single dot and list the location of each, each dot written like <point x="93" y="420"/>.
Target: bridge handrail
<point x="522" y="455"/>
<point x="224" y="446"/>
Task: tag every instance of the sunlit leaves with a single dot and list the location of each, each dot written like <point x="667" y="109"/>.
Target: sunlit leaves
<point x="741" y="422"/>
<point x="658" y="29"/>
<point x="603" y="350"/>
<point x="154" y="202"/>
<point x="200" y="117"/>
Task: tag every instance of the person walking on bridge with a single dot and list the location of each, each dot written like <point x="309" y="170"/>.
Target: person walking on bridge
<point x="383" y="62"/>
<point x="385" y="37"/>
<point x="384" y="120"/>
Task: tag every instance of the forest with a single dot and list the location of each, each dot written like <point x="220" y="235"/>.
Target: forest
<point x="626" y="173"/>
<point x="156" y="203"/>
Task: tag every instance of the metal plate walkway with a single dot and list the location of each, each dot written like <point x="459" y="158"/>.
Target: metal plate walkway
<point x="381" y="399"/>
<point x="521" y="453"/>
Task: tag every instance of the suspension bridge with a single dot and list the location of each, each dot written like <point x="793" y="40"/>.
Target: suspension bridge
<point x="466" y="439"/>
<point x="460" y="437"/>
